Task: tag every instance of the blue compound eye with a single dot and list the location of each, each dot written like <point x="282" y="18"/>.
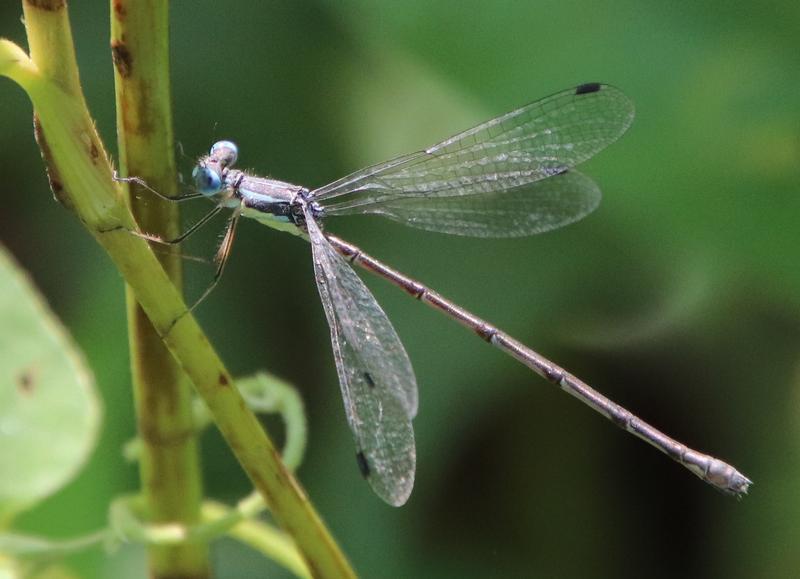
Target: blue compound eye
<point x="226" y="152"/>
<point x="206" y="181"/>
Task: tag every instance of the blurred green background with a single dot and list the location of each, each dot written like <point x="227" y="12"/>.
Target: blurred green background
<point x="679" y="297"/>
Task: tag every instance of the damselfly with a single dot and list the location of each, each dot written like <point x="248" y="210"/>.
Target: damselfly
<point x="509" y="177"/>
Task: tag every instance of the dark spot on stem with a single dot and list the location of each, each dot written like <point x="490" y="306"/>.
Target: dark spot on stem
<point x="94" y="152"/>
<point x="49" y="5"/>
<point x="587" y="88"/>
<point x="363" y="465"/>
<point x="56" y="184"/>
<point x="120" y="10"/>
<point x="223" y="380"/>
<point x="57" y="187"/>
<point x="123" y="60"/>
<point x="369" y="380"/>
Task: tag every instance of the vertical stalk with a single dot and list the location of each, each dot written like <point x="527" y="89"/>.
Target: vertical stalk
<point x="169" y="464"/>
<point x="81" y="178"/>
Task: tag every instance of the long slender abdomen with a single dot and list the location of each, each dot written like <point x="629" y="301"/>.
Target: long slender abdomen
<point x="712" y="470"/>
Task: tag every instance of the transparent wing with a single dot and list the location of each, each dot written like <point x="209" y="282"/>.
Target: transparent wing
<point x="378" y="384"/>
<point x="526" y="210"/>
<point x="537" y="141"/>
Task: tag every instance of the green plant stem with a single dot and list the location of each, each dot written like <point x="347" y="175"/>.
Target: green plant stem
<point x="169" y="464"/>
<point x="261" y="537"/>
<point x="82" y="177"/>
<point x="218" y="519"/>
<point x="49" y="549"/>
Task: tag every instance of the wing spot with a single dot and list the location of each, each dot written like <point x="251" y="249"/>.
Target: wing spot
<point x="363" y="465"/>
<point x="556" y="170"/>
<point x="587" y="88"/>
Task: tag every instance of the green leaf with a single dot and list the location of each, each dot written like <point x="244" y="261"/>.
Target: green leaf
<point x="49" y="409"/>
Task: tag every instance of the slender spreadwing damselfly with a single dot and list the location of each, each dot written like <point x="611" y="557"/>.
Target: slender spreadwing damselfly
<point x="511" y="176"/>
